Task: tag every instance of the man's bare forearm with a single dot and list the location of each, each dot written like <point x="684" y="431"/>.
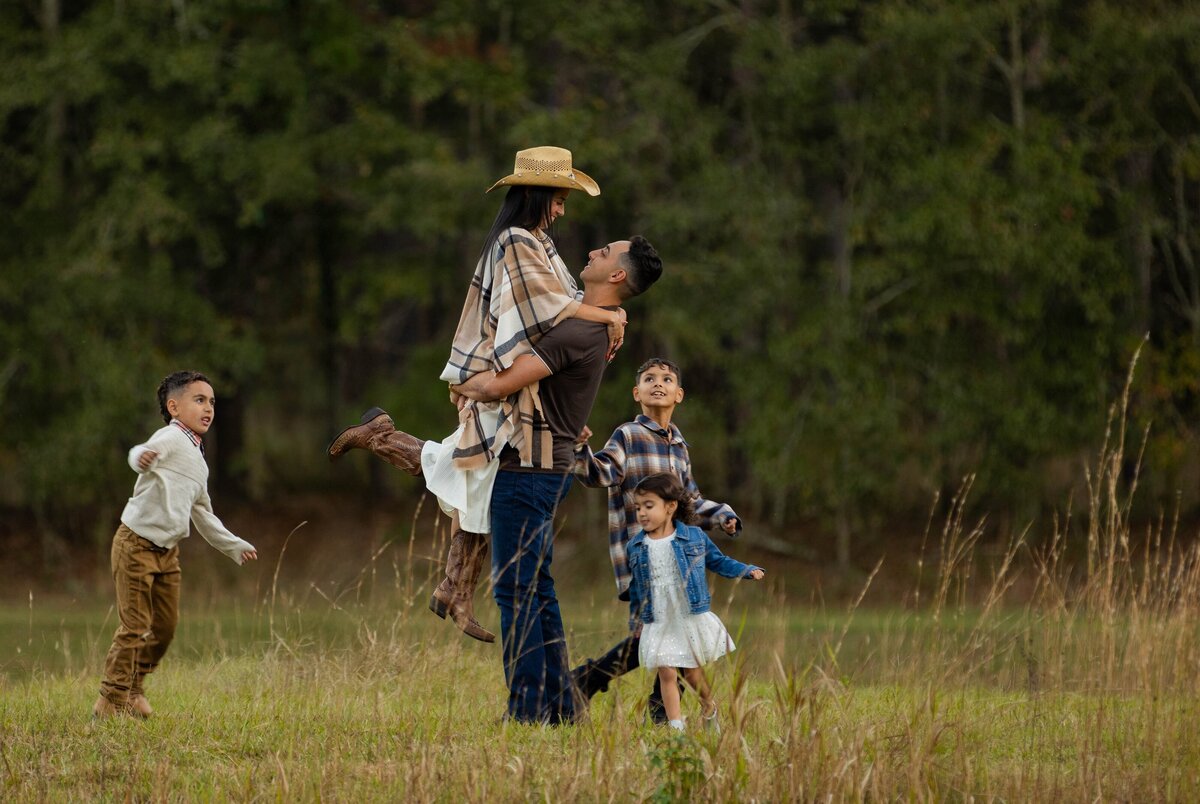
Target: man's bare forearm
<point x="488" y="386"/>
<point x="478" y="387"/>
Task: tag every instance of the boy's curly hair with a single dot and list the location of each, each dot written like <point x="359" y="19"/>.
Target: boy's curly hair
<point x="667" y="486"/>
<point x="171" y="384"/>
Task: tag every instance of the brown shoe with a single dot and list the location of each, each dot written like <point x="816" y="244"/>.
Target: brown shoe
<point x="400" y="450"/>
<point x="455" y="595"/>
<point x="374" y="422"/>
<point x="378" y="434"/>
<point x="139" y="706"/>
<point x="104" y="708"/>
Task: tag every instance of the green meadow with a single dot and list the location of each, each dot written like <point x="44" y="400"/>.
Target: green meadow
<point x="1020" y="674"/>
<point x="1063" y="666"/>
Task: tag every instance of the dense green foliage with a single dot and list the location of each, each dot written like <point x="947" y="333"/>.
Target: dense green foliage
<point x="905" y="240"/>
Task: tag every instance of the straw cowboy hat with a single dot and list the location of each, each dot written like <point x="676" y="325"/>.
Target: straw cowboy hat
<point x="548" y="166"/>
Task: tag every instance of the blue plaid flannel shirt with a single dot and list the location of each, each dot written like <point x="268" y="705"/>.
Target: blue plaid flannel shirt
<point x="637" y="449"/>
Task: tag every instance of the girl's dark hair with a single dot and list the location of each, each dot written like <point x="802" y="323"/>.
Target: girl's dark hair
<point x="525" y="206"/>
<point x="668" y="487"/>
<point x="174" y="382"/>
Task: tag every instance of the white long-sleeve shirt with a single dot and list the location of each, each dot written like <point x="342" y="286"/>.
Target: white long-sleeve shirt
<point x="173" y="491"/>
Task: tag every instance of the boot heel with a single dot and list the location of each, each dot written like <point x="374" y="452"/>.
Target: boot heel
<point x="371" y="415"/>
<point x="438" y="607"/>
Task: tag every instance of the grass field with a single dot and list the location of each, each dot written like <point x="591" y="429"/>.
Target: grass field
<point x="401" y="709"/>
<point x="1064" y="667"/>
<point x="375" y="699"/>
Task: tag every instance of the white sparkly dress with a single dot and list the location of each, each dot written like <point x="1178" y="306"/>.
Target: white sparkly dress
<point x="677" y="638"/>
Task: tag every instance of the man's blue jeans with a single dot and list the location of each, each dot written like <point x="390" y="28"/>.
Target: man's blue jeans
<point x="533" y="642"/>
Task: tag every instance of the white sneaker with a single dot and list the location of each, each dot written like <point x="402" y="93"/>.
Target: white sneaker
<point x="676" y="724"/>
<point x="711" y="723"/>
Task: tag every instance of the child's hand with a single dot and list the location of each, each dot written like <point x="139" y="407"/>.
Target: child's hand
<point x="458" y="399"/>
<point x="584" y="435"/>
<point x="730" y="525"/>
<point x="757" y="574"/>
<point x="249" y="555"/>
<point x="146" y="459"/>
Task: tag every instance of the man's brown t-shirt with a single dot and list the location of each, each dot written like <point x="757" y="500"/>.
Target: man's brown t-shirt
<point x="575" y="352"/>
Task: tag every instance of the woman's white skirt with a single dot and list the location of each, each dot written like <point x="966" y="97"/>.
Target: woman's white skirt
<point x="467" y="491"/>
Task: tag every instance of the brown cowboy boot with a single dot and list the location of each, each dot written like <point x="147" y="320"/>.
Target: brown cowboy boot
<point x="455" y="595"/>
<point x="378" y="434"/>
<point x="374" y="422"/>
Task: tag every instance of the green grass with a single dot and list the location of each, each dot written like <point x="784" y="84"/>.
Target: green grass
<point x="424" y="726"/>
<point x="382" y="701"/>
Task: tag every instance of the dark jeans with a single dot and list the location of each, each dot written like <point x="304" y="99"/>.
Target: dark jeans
<point x="594" y="675"/>
<point x="533" y="643"/>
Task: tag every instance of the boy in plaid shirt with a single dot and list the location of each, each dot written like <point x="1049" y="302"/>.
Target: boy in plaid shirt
<point x="648" y="445"/>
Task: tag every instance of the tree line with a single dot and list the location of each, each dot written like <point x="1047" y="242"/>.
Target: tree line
<point x="905" y="240"/>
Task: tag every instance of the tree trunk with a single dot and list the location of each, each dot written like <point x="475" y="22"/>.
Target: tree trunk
<point x="842" y="525"/>
<point x="56" y="109"/>
<point x="328" y="311"/>
<point x="1016" y="74"/>
<point x="229" y="480"/>
<point x="838" y="214"/>
<point x="1141" y="215"/>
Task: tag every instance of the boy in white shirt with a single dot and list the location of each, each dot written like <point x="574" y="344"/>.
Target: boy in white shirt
<point x="171" y="490"/>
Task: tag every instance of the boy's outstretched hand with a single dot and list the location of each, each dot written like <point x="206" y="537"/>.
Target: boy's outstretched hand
<point x="146" y="459"/>
<point x="730" y="525"/>
<point x="249" y="555"/>
<point x="757" y="574"/>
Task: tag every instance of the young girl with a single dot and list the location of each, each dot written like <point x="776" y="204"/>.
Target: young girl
<point x="521" y="288"/>
<point x="669" y="595"/>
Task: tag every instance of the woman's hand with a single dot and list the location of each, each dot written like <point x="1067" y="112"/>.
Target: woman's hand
<point x="616" y="332"/>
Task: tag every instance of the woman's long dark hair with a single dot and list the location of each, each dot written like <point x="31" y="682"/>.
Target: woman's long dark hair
<point x="525" y="206"/>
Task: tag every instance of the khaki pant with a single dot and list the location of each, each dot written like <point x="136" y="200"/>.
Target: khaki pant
<point x="147" y="581"/>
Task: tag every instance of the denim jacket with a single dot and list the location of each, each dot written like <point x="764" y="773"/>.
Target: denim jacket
<point x="694" y="551"/>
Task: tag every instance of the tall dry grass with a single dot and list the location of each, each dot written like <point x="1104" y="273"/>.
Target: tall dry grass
<point x="1060" y="666"/>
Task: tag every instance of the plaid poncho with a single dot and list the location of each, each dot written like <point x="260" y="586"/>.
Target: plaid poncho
<point x="520" y="290"/>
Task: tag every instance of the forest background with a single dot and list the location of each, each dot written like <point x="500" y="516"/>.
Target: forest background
<point x="905" y="242"/>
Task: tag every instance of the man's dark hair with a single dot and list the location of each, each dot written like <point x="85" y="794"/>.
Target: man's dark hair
<point x="172" y="384"/>
<point x="642" y="267"/>
<point x="660" y="362"/>
<point x="668" y="487"/>
<point x="525" y="206"/>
